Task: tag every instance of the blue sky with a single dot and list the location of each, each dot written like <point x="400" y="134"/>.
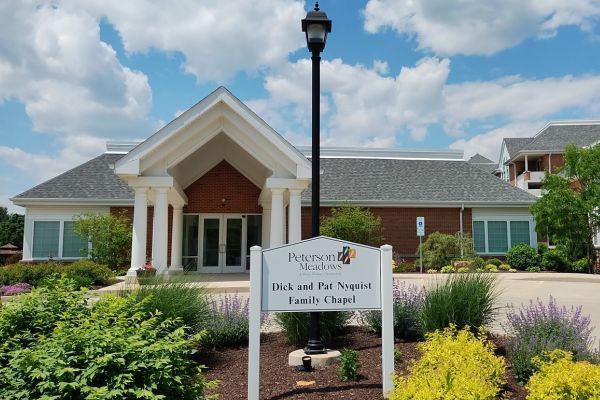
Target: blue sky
<point x="395" y="73"/>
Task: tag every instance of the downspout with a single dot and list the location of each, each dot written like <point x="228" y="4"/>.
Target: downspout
<point x="549" y="163"/>
<point x="462" y="251"/>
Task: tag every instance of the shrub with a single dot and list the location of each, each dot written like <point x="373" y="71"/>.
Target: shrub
<point x="447" y="269"/>
<point x="295" y="325"/>
<point x="110" y="236"/>
<point x="494" y="261"/>
<point x="556" y="259"/>
<point x="98" y="274"/>
<point x="439" y="249"/>
<point x="118" y="351"/>
<point x="533" y="268"/>
<point x="432" y="271"/>
<point x="542" y="249"/>
<point x="462" y="300"/>
<point x="175" y="299"/>
<point x="539" y="328"/>
<point x="401" y="267"/>
<point x="453" y="365"/>
<point x="504" y="267"/>
<point x="463" y="270"/>
<point x="349" y="365"/>
<point x="353" y="223"/>
<point x="228" y="324"/>
<point x="522" y="256"/>
<point x="32" y="274"/>
<point x="512" y="270"/>
<point x="407" y="307"/>
<point x="581" y="265"/>
<point x="559" y="377"/>
<point x="477" y="263"/>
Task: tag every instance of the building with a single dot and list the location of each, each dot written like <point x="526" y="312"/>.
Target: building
<point x="217" y="180"/>
<point x="524" y="161"/>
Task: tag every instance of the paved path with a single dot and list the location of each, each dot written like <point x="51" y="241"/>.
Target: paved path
<point x="515" y="289"/>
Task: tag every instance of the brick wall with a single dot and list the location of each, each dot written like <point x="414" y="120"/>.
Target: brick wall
<point x="222" y="182"/>
<point x="399" y="224"/>
<point x="556" y="161"/>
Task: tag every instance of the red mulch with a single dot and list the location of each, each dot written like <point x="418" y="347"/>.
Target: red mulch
<point x="280" y="381"/>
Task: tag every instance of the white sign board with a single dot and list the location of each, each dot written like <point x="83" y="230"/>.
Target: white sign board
<point x="321" y="274"/>
<point x="420" y="226"/>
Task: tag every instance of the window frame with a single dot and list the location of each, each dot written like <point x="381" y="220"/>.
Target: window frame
<point x="507" y="221"/>
<point x="61" y="233"/>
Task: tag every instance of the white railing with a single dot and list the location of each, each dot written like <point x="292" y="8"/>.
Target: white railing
<point x="536" y="176"/>
<point x="535" y="192"/>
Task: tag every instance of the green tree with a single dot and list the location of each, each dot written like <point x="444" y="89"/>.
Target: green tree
<point x="11" y="228"/>
<point x="440" y="248"/>
<point x="353" y="223"/>
<point x="568" y="211"/>
<point x="110" y="236"/>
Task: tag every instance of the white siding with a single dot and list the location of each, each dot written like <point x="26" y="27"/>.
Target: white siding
<point x="49" y="213"/>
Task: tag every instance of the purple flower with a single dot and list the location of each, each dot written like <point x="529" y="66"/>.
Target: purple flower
<point x="15" y="289"/>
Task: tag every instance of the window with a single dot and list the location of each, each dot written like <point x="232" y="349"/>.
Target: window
<point x="497" y="237"/>
<point x="45" y="239"/>
<point x="519" y="232"/>
<point x="56" y="239"/>
<point x="73" y="245"/>
<point x="479" y="236"/>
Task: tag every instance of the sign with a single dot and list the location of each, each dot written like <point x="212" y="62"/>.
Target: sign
<point x="420" y="226"/>
<point x="321" y="274"/>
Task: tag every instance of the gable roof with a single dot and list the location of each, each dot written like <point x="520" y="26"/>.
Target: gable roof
<point x="483" y="163"/>
<point x="557" y="135"/>
<point x="396" y="181"/>
<point x="514" y="145"/>
<point x="94" y="180"/>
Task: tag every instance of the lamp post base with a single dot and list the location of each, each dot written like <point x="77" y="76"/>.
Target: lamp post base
<point x="314" y="345"/>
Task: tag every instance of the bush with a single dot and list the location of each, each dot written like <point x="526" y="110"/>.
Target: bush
<point x="581" y="265"/>
<point x="13" y="290"/>
<point x="448" y="269"/>
<point x="82" y="273"/>
<point x="295" y="325"/>
<point x="494" y="261"/>
<point x="439" y="249"/>
<point x="504" y="267"/>
<point x="228" y="324"/>
<point x="533" y="268"/>
<point x="118" y="351"/>
<point x="432" y="271"/>
<point x="354" y="224"/>
<point x="539" y="328"/>
<point x="477" y="263"/>
<point x="463" y="270"/>
<point x="175" y="299"/>
<point x="110" y="236"/>
<point x="561" y="378"/>
<point x="453" y="365"/>
<point x="462" y="300"/>
<point x="98" y="274"/>
<point x="407" y="307"/>
<point x="402" y="267"/>
<point x="522" y="256"/>
<point x="349" y="365"/>
<point x="556" y="259"/>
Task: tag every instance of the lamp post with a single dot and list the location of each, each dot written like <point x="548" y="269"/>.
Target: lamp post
<point x="316" y="26"/>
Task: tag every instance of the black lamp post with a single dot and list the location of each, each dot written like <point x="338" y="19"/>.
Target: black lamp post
<point x="316" y="26"/>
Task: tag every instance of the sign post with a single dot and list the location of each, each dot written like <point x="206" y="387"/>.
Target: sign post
<point x="420" y="234"/>
<point x="320" y="274"/>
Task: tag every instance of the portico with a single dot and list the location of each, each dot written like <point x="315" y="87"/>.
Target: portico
<point x="218" y="180"/>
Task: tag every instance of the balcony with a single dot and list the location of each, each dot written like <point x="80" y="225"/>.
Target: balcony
<point x="531" y="181"/>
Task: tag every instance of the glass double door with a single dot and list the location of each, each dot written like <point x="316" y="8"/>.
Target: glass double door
<point x="222" y="239"/>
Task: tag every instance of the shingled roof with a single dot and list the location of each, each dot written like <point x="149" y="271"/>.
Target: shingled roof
<point x="514" y="145"/>
<point x="93" y="180"/>
<point x="483" y="163"/>
<point x="555" y="137"/>
<point x="413" y="181"/>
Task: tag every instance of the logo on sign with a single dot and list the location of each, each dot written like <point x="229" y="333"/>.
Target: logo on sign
<point x="346" y="254"/>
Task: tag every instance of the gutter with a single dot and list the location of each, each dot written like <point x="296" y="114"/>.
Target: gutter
<point x="462" y="252"/>
<point x="23" y="202"/>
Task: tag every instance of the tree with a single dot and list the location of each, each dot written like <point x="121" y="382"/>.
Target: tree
<point x="568" y="211"/>
<point x="110" y="236"/>
<point x="440" y="248"/>
<point x="11" y="228"/>
<point x="353" y="223"/>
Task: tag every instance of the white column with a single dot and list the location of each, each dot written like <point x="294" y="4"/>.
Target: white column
<point x="294" y="216"/>
<point x="276" y="217"/>
<point x="176" y="239"/>
<point x="160" y="228"/>
<point x="266" y="226"/>
<point x="138" y="240"/>
<point x="526" y="163"/>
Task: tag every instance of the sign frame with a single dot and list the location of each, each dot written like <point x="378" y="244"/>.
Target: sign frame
<point x="255" y="310"/>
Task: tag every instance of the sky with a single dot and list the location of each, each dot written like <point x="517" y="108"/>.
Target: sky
<point x="459" y="74"/>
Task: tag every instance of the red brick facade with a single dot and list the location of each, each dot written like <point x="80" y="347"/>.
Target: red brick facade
<point x="223" y="182"/>
<point x="556" y="161"/>
<point x="399" y="224"/>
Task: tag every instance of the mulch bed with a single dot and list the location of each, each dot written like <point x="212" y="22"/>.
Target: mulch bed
<point x="280" y="381"/>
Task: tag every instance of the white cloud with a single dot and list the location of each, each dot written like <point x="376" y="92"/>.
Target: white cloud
<point x="69" y="81"/>
<point x="359" y="105"/>
<point x="218" y="38"/>
<point x="475" y="26"/>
